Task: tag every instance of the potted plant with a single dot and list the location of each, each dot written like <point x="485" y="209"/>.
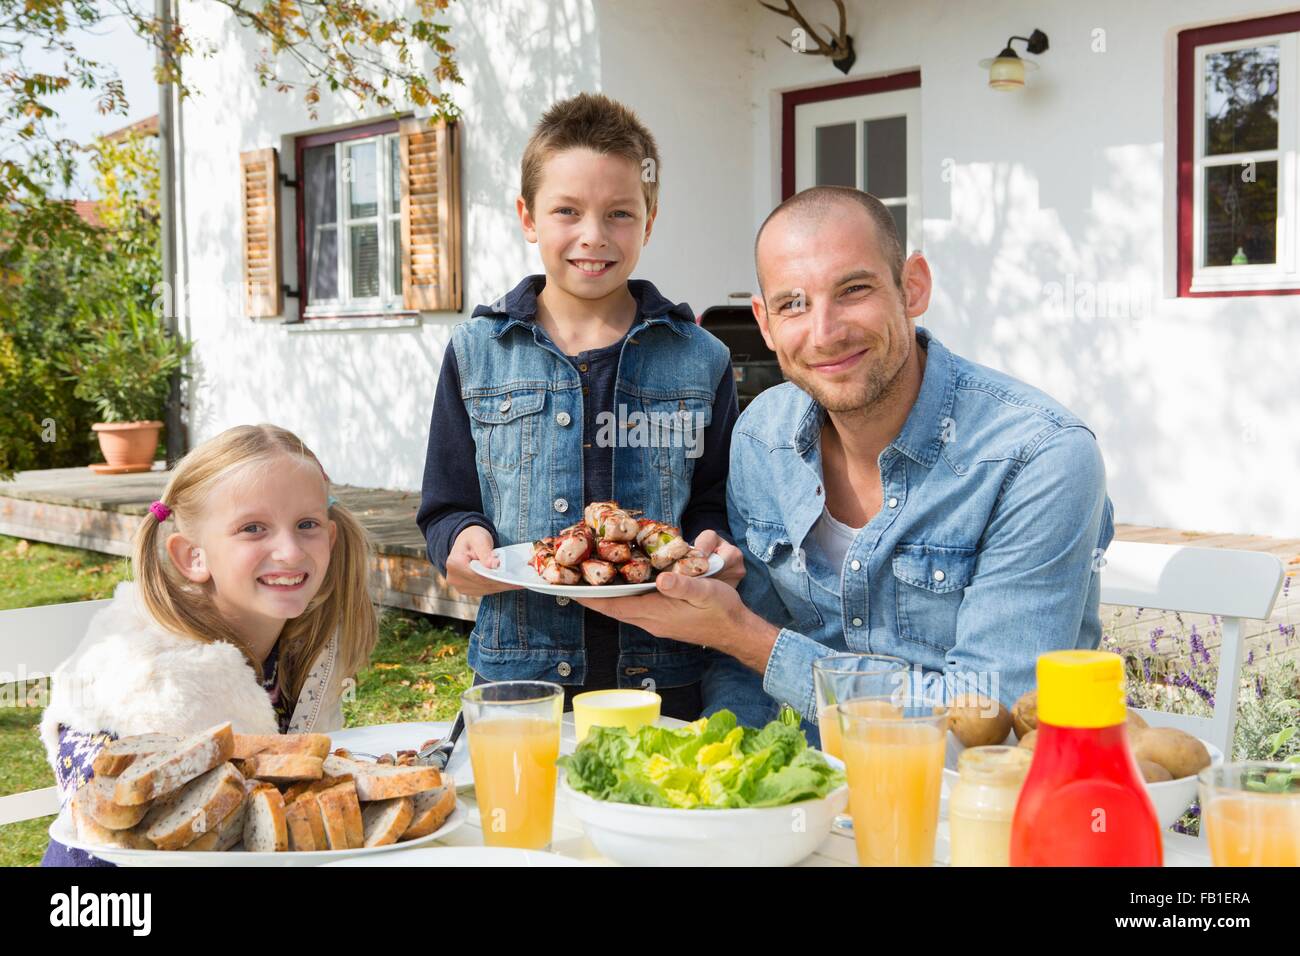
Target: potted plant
<point x="125" y="372"/>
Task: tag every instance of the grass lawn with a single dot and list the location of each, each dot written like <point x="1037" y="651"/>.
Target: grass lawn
<point x="417" y="672"/>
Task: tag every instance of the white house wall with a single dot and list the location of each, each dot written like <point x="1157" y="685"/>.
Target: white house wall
<point x="1068" y="187"/>
<point x="362" y="399"/>
<point x="1031" y="202"/>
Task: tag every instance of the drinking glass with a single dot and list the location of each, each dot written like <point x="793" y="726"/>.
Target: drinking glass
<point x="893" y="754"/>
<point x="514" y="740"/>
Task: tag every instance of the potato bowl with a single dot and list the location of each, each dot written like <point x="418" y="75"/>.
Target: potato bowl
<point x="1171" y="798"/>
<point x="662" y="836"/>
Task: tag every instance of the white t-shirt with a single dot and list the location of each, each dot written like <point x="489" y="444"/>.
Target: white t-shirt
<point x="833" y="538"/>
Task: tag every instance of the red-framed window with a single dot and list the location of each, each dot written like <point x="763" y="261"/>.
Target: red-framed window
<point x="795" y="98"/>
<point x="349" y="222"/>
<point x="1238" y="132"/>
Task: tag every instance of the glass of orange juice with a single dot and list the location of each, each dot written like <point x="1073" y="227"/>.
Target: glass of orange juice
<point x="893" y="755"/>
<point x="1251" y="813"/>
<point x="844" y="676"/>
<point x="514" y="740"/>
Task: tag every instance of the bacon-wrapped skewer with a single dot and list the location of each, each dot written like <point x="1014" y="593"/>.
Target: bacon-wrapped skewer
<point x="547" y="568"/>
<point x="598" y="572"/>
<point x="610" y="521"/>
<point x="636" y="569"/>
<point x="693" y="565"/>
<point x="574" y="545"/>
<point x="615" y="552"/>
<point x="662" y="542"/>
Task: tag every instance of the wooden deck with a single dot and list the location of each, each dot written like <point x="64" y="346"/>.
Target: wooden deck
<point x="74" y="506"/>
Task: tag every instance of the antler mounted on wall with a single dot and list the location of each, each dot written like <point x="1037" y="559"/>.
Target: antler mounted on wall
<point x="839" y="46"/>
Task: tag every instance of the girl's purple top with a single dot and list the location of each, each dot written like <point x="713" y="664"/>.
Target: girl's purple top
<point x="77" y="751"/>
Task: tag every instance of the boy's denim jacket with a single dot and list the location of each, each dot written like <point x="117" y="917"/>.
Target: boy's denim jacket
<point x="985" y="552"/>
<point x="525" y="405"/>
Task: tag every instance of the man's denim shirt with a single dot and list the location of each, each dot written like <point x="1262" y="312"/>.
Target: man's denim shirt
<point x="984" y="554"/>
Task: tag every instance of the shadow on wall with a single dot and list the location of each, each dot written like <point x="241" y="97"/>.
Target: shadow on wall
<point x="362" y="400"/>
<point x="1070" y="299"/>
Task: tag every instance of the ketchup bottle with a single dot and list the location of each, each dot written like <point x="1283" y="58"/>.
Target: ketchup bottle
<point x="1083" y="802"/>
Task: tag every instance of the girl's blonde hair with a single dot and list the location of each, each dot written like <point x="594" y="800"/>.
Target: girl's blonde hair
<point x="342" y="603"/>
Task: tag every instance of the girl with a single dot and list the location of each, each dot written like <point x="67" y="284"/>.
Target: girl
<point x="249" y="604"/>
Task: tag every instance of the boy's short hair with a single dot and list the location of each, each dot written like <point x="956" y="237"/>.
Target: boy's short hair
<point x="596" y="122"/>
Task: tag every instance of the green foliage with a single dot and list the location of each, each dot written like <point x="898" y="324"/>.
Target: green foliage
<point x="79" y="302"/>
<point x="126" y="374"/>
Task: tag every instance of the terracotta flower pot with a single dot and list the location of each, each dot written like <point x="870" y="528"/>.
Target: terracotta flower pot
<point x="127" y="446"/>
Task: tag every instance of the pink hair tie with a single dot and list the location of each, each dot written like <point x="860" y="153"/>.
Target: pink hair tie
<point x="160" y="511"/>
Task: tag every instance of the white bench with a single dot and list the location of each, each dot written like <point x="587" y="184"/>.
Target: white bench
<point x="34" y="641"/>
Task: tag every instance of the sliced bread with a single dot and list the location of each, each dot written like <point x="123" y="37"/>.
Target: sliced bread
<point x="282" y="768"/>
<point x="117" y="755"/>
<point x="227" y="834"/>
<point x="296" y="790"/>
<point x="106" y="811"/>
<point x="265" y="829"/>
<point x="384" y="821"/>
<point x="200" y="807"/>
<point x="88" y="831"/>
<point x="384" y="781"/>
<point x="341" y="815"/>
<point x="314" y="745"/>
<point x="432" y="808"/>
<point x="306" y="828"/>
<point x="169" y="770"/>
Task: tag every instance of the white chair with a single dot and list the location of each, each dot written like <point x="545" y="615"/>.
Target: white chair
<point x="1235" y="585"/>
<point x="34" y="641"/>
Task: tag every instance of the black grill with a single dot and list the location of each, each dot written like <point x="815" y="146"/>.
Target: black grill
<point x="755" y="365"/>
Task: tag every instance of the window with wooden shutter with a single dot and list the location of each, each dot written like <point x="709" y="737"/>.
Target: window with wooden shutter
<point x="259" y="181"/>
<point x="431" y="227"/>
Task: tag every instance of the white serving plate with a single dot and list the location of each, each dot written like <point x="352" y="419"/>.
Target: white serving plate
<point x="62" y="830"/>
<point x="661" y="836"/>
<point x="514" y="569"/>
<point x="1170" y="797"/>
<point x="464" y="856"/>
<point x="377" y="739"/>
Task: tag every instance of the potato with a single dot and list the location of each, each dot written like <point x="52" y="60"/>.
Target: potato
<point x="1177" y="751"/>
<point x="1024" y="715"/>
<point x="1152" y="772"/>
<point x="978" y="721"/>
<point x="1028" y="740"/>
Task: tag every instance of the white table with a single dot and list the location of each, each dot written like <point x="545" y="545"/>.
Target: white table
<point x="837" y="849"/>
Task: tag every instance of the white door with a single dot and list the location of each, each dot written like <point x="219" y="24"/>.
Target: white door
<point x="872" y="142"/>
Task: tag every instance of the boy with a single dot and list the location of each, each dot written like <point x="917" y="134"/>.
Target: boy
<point x="533" y="399"/>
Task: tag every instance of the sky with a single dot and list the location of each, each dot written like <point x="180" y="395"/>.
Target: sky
<point x="113" y="42"/>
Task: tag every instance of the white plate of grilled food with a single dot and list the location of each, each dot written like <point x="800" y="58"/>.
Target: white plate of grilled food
<point x="610" y="553"/>
<point x="218" y="798"/>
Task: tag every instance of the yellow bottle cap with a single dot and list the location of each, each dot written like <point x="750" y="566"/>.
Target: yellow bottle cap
<point x="1081" y="689"/>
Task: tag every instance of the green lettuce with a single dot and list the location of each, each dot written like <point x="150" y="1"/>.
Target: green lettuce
<point x="711" y="763"/>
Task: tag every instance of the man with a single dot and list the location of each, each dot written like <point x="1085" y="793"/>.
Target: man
<point x="891" y="497"/>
